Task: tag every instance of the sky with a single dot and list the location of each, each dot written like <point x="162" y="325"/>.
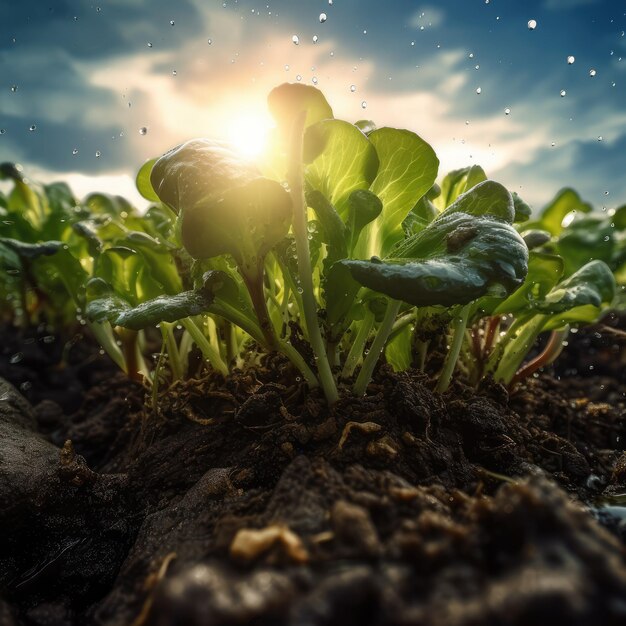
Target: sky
<point x="533" y="91"/>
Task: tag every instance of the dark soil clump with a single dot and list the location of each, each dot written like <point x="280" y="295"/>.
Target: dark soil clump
<point x="248" y="501"/>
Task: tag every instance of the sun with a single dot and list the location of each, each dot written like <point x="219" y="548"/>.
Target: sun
<point x="248" y="134"/>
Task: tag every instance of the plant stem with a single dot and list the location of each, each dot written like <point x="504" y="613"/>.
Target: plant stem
<point x="518" y="348"/>
<point x="356" y="350"/>
<point x="548" y="355"/>
<point x="365" y="375"/>
<point x="208" y="351"/>
<point x="422" y="352"/>
<point x="104" y="336"/>
<point x="296" y="358"/>
<point x="129" y="349"/>
<point x="449" y="364"/>
<point x="254" y="284"/>
<point x="172" y="350"/>
<point x="249" y="326"/>
<point x="295" y="179"/>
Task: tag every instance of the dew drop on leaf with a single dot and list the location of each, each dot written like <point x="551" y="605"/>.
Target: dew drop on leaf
<point x="323" y="18"/>
<point x="532" y="24"/>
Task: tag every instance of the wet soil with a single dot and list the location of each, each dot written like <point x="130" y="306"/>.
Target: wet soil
<point x="248" y="501"/>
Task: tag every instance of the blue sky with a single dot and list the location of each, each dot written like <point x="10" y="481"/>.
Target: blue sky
<point x="88" y="75"/>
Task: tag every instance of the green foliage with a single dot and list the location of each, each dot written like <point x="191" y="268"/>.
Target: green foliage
<point x="339" y="237"/>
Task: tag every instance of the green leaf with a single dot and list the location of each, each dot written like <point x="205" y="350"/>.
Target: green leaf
<point x="553" y="214"/>
<point x="408" y="168"/>
<point x="398" y="351"/>
<point x="333" y="230"/>
<point x="103" y="304"/>
<point x="544" y="272"/>
<point x="172" y="308"/>
<point x="593" y="284"/>
<point x="32" y="250"/>
<point x="589" y="238"/>
<point x="363" y="207"/>
<point x="522" y="210"/>
<point x="455" y="260"/>
<point x="536" y="238"/>
<point x="347" y="162"/>
<point x="458" y="182"/>
<point x="485" y="198"/>
<point x="226" y="206"/>
<point x="144" y="186"/>
<point x="289" y="100"/>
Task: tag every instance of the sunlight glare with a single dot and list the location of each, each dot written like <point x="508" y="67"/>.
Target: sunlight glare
<point x="248" y="134"/>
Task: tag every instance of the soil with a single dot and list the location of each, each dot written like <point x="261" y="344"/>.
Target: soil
<point x="248" y="501"/>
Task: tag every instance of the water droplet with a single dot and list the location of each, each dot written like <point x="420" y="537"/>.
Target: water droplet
<point x="172" y="22"/>
<point x="364" y="104"/>
<point x="571" y="59"/>
<point x="563" y="93"/>
<point x="14" y="88"/>
<point x="32" y="128"/>
<point x="507" y="111"/>
<point x="298" y="77"/>
<point x="16" y="358"/>
<point x="600" y="138"/>
<point x="532" y="24"/>
<point x="314" y="80"/>
<point x="553" y="144"/>
<point x="209" y="41"/>
<point x="295" y="39"/>
<point x="323" y="18"/>
<point x="479" y="90"/>
<point x="98" y="153"/>
<point x="2" y="131"/>
<point x="75" y="151"/>
<point x="315" y="38"/>
<point x="592" y="72"/>
<point x="174" y="73"/>
<point x="143" y="130"/>
<point x="149" y="44"/>
<point x="352" y="88"/>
